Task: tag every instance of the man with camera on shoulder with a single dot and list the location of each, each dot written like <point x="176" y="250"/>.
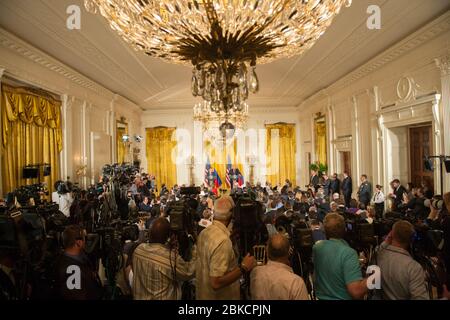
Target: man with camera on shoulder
<point x="217" y="270"/>
<point x="337" y="271"/>
<point x="63" y="197"/>
<point x="402" y="278"/>
<point x="75" y="277"/>
<point x="158" y="269"/>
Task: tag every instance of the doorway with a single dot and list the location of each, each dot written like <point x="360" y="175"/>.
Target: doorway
<point x="420" y="146"/>
<point x="346" y="162"/>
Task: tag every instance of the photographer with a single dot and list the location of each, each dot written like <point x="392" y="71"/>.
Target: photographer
<point x="158" y="269"/>
<point x="276" y="280"/>
<point x="63" y="197"/>
<point x="75" y="278"/>
<point x="217" y="271"/>
<point x="402" y="278"/>
<point x="336" y="266"/>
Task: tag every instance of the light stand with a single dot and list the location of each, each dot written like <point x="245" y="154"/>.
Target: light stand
<point x="442" y="159"/>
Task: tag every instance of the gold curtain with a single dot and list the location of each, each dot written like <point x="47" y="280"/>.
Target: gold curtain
<point x="321" y="142"/>
<point x="121" y="150"/>
<point x="281" y="156"/>
<point x="160" y="148"/>
<point x="31" y="134"/>
<point x="218" y="158"/>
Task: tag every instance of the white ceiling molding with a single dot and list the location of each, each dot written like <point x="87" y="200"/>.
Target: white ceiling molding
<point x="418" y="38"/>
<point x="20" y="47"/>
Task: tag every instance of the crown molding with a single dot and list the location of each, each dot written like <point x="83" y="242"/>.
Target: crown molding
<point x="416" y="39"/>
<point x="31" y="53"/>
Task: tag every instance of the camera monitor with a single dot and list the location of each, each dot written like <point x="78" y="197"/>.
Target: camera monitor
<point x="30" y="172"/>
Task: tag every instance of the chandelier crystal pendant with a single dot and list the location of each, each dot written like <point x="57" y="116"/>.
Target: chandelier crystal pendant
<point x="222" y="39"/>
<point x="221" y="127"/>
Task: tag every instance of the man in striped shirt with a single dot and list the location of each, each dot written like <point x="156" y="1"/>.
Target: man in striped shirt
<point x="158" y="270"/>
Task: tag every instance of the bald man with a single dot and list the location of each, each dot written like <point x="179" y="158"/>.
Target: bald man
<point x="217" y="270"/>
<point x="276" y="280"/>
<point x="154" y="264"/>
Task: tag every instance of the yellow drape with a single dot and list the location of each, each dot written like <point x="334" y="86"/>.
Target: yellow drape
<point x="121" y="150"/>
<point x="281" y="162"/>
<point x="321" y="142"/>
<point x="161" y="152"/>
<point x="218" y="158"/>
<point x="31" y="134"/>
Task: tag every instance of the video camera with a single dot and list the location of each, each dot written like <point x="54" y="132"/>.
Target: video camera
<point x="23" y="194"/>
<point x="183" y="220"/>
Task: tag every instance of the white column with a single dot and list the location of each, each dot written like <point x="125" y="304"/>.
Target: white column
<point x="443" y="64"/>
<point x="377" y="137"/>
<point x="2" y="71"/>
<point x="113" y="127"/>
<point x="356" y="157"/>
<point x="313" y="142"/>
<point x="331" y="133"/>
<point x="84" y="140"/>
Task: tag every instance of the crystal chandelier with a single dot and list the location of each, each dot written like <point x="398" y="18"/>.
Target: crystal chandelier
<point x="222" y="39"/>
<point x="220" y="126"/>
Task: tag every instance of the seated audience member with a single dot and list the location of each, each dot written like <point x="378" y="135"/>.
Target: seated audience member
<point x="337" y="271"/>
<point x="402" y="278"/>
<point x="334" y="207"/>
<point x="416" y="206"/>
<point x="145" y="205"/>
<point x="276" y="280"/>
<point x="72" y="261"/>
<point x="217" y="269"/>
<point x="317" y="230"/>
<point x="353" y="207"/>
<point x="153" y="274"/>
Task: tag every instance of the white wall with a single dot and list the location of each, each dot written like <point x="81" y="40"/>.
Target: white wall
<point x="368" y="110"/>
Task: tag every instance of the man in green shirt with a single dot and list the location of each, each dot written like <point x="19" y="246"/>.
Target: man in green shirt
<point x="337" y="273"/>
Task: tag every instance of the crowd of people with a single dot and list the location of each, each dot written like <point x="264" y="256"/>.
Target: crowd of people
<point x="154" y="269"/>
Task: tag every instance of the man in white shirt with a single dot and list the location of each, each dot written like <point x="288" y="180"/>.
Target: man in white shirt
<point x="276" y="280"/>
<point x="63" y="198"/>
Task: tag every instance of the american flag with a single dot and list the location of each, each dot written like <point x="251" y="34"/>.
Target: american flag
<point x="207" y="167"/>
<point x="227" y="177"/>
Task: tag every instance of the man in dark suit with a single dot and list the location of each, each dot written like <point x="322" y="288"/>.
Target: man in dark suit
<point x="314" y="180"/>
<point x="365" y="191"/>
<point x="335" y="184"/>
<point x="347" y="189"/>
<point x="397" y="194"/>
<point x="326" y="183"/>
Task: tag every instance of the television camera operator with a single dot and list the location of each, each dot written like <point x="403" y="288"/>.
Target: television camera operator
<point x="75" y="277"/>
<point x="158" y="269"/>
<point x="337" y="271"/>
<point x="402" y="278"/>
<point x="63" y="197"/>
<point x="217" y="269"/>
<point x="276" y="280"/>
